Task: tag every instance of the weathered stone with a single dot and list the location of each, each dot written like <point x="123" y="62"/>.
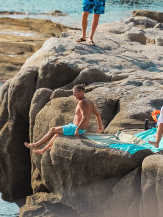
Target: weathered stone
<point x="143" y="22"/>
<point x="115" y="28"/>
<point x="152" y="190"/>
<point x="159" y="41"/>
<point x="14" y="162"/>
<point x="131" y="116"/>
<point x="136" y="35"/>
<point x="4" y="103"/>
<point x="20" y="38"/>
<point x="61" y="93"/>
<point x="55" y="13"/>
<point x="49" y="205"/>
<point x="150" y="41"/>
<point x="125" y="197"/>
<point x="159" y="25"/>
<point x="14" y="182"/>
<point x="154" y="15"/>
<point x="83" y="174"/>
<point x="53" y="75"/>
<point x="40" y="98"/>
<point x="89" y="75"/>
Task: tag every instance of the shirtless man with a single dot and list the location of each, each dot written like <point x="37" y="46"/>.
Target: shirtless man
<point x="159" y="133"/>
<point x="82" y="116"/>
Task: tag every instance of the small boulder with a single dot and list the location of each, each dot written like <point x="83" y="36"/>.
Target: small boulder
<point x="159" y="41"/>
<point x="136" y="35"/>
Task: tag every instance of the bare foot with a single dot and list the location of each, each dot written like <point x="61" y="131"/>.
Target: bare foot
<point x="39" y="151"/>
<point x="30" y="145"/>
<point x="156" y="144"/>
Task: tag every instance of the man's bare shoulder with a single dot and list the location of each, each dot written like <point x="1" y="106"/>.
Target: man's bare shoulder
<point x="86" y="103"/>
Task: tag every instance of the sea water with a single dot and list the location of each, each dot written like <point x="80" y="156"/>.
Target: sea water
<point x="8" y="209"/>
<point x="115" y="10"/>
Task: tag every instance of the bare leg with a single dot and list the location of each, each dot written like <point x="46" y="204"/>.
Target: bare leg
<point x="84" y="25"/>
<point x="41" y="151"/>
<point x="158" y="136"/>
<point x="94" y="26"/>
<point x="46" y="138"/>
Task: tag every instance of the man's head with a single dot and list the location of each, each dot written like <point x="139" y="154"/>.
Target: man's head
<point x="78" y="91"/>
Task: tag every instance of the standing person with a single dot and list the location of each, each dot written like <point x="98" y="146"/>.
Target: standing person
<point x="159" y="130"/>
<point x="88" y="6"/>
<point x="83" y="113"/>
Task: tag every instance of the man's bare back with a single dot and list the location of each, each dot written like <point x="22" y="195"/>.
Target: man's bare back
<point x="84" y="110"/>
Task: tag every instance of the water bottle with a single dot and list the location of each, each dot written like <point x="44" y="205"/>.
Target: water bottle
<point x="146" y="124"/>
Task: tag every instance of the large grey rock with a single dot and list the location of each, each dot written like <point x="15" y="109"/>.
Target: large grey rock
<point x="84" y="175"/>
<point x="4" y="103"/>
<point x="131" y="116"/>
<point x="125" y="197"/>
<point x="40" y="98"/>
<point x="154" y="15"/>
<point x="15" y="158"/>
<point x="152" y="187"/>
<point x="53" y="75"/>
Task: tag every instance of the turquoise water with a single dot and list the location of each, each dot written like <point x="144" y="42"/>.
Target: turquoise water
<point x="114" y="10"/>
<point x="8" y="209"/>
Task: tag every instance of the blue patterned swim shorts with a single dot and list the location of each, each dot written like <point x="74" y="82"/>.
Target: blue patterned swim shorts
<point x="97" y="5"/>
<point x="69" y="130"/>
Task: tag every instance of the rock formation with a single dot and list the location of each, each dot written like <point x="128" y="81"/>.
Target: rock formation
<point x="20" y="38"/>
<point x="154" y="15"/>
<point x="123" y="74"/>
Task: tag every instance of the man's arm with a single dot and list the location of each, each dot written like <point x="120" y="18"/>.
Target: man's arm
<point x="99" y="121"/>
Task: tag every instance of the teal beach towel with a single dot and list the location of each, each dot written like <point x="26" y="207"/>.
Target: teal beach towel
<point x="116" y="142"/>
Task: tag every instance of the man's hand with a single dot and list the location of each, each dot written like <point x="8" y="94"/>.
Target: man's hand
<point x="100" y="130"/>
<point x="76" y="132"/>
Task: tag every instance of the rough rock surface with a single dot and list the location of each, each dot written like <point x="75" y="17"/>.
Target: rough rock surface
<point x="20" y="38"/>
<point x="49" y="205"/>
<point x="152" y="186"/>
<point x="125" y="197"/>
<point x="124" y="79"/>
<point x="83" y="174"/>
<point x="154" y="15"/>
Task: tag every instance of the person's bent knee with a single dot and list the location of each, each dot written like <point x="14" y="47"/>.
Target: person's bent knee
<point x="52" y="130"/>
